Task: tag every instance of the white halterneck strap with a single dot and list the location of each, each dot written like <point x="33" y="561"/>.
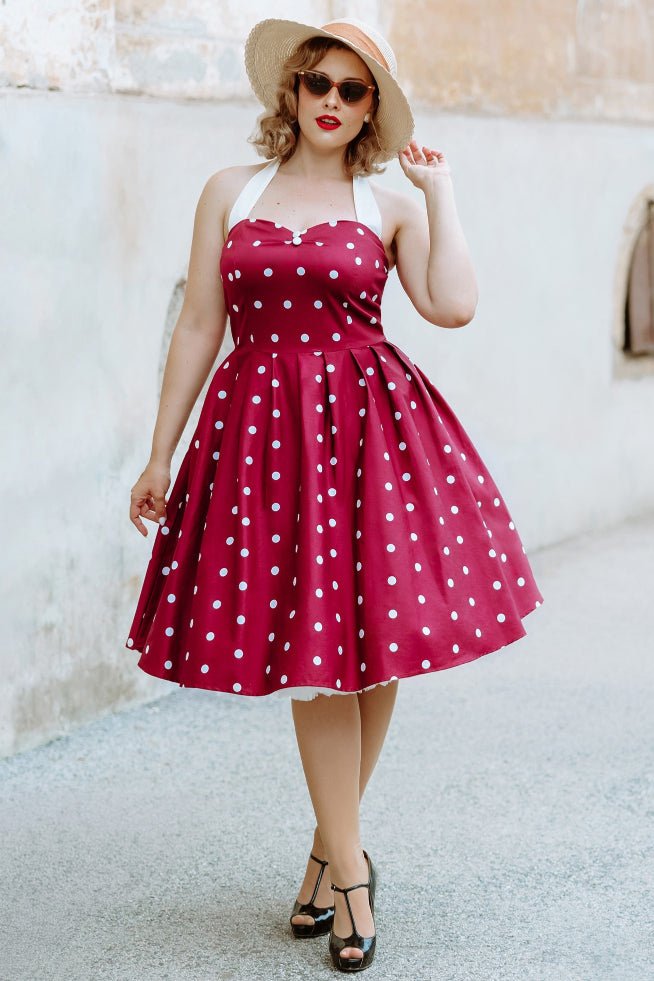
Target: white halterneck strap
<point x="365" y="205"/>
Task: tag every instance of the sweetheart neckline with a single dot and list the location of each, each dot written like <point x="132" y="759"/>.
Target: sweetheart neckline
<point x="318" y="224"/>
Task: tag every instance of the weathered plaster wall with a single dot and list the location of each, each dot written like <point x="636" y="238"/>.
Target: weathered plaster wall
<point x="99" y="190"/>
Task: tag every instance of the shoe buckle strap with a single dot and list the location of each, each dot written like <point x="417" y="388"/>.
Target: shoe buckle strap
<point x="347" y="888"/>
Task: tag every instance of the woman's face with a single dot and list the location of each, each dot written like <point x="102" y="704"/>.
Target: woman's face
<point x="338" y="64"/>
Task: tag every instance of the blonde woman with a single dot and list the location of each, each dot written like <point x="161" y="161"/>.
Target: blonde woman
<point x="332" y="528"/>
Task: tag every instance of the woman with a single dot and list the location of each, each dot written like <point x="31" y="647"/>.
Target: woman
<point x="332" y="529"/>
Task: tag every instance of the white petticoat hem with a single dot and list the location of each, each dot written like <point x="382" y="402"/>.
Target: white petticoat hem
<point x="305" y="693"/>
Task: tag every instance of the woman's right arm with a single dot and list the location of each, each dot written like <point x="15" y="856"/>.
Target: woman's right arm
<point x="194" y="346"/>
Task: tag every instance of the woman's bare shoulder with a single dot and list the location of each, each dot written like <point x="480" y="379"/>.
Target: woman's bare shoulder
<point x="223" y="187"/>
<point x="395" y="202"/>
<point x="394" y="206"/>
<point x="232" y="179"/>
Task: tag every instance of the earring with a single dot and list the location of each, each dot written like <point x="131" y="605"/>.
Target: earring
<point x="366" y="118"/>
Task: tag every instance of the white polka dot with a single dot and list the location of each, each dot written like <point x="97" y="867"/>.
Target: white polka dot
<point x="426" y="664"/>
<point x="204" y="668"/>
<point x="304" y="337"/>
<point x="497" y="584"/>
<point x="267" y="271"/>
<point x="521" y="581"/>
<point x="210" y="635"/>
<point x="317" y="304"/>
<point x="168" y="665"/>
<point x="130" y="642"/>
<point x="169" y="631"/>
<point x="236" y="686"/>
<point x="171" y="597"/>
<point x="333" y="274"/>
<point x="501" y="617"/>
<point x="301" y="270"/>
<point x="317" y="659"/>
<point x="287" y="304"/>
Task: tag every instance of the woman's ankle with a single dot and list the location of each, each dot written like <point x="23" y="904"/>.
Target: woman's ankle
<point x="349" y="866"/>
<point x="318" y="847"/>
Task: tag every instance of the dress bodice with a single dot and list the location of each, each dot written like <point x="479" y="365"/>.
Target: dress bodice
<point x="309" y="289"/>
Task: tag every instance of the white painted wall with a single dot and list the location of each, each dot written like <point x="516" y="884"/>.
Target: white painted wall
<point x="98" y="197"/>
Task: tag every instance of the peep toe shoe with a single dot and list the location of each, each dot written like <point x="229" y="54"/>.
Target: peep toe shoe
<point x="322" y="915"/>
<point x="366" y="944"/>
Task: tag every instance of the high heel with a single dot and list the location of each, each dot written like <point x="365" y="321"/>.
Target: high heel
<point x="322" y="915"/>
<point x="366" y="944"/>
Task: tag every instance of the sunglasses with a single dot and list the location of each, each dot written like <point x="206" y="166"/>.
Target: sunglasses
<point x="350" y="90"/>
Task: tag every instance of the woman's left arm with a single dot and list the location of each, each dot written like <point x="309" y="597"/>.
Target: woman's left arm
<point x="433" y="261"/>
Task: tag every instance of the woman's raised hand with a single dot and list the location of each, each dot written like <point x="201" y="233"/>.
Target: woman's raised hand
<point x="148" y="497"/>
<point x="420" y="165"/>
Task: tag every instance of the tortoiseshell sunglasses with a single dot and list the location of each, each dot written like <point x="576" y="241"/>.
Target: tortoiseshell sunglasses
<point x="350" y="90"/>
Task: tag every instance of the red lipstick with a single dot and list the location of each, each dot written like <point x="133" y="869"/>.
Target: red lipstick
<point x="325" y="123"/>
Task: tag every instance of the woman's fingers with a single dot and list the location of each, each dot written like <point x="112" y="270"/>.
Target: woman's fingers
<point x="408" y="152"/>
<point x="150" y="506"/>
<point x="159" y="505"/>
<point x="415" y="154"/>
<point x="135" y="518"/>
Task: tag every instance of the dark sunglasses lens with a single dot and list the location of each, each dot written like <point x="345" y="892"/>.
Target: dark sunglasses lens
<point x="353" y="91"/>
<point x="316" y="84"/>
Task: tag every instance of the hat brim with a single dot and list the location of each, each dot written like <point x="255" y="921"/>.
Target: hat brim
<point x="272" y="41"/>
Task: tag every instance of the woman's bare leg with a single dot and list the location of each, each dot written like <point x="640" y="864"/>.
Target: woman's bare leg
<point x="376" y="708"/>
<point x="339" y="747"/>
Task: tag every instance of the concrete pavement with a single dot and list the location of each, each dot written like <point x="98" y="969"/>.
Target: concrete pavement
<point x="510" y="815"/>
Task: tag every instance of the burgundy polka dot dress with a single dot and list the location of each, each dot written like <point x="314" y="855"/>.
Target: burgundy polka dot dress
<point x="331" y="526"/>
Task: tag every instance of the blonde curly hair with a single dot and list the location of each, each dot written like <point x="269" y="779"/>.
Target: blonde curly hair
<point x="277" y="131"/>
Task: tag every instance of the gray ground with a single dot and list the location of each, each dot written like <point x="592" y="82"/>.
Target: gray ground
<point x="510" y="815"/>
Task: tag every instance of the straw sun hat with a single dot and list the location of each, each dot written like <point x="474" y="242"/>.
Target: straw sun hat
<point x="272" y="41"/>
